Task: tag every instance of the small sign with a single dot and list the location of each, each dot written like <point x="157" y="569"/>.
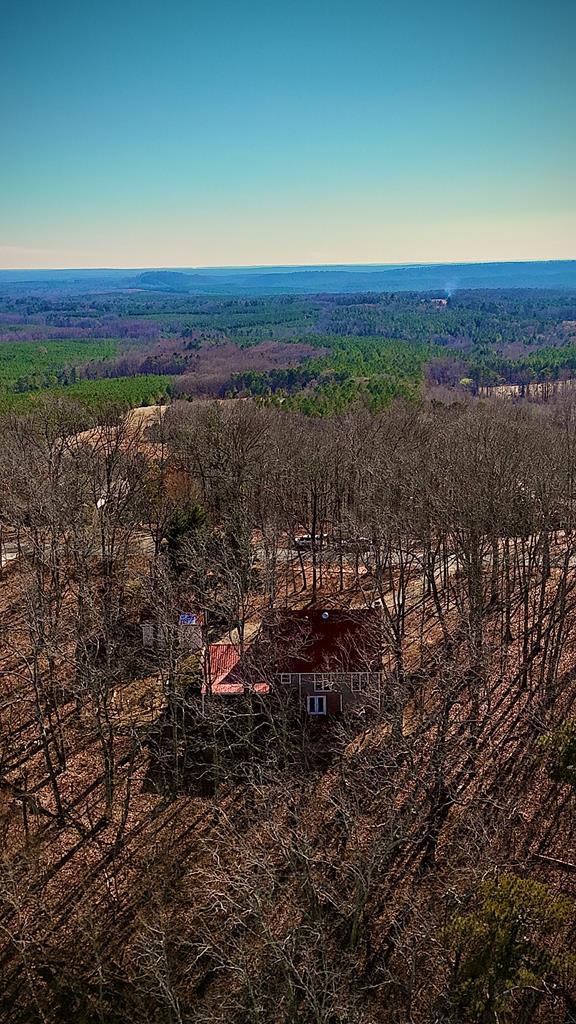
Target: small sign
<point x="187" y="619"/>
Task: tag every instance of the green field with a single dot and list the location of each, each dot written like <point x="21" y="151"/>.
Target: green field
<point x="30" y="370"/>
<point x="33" y="366"/>
<point x="127" y="392"/>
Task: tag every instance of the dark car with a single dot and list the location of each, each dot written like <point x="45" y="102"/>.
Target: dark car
<point x="307" y="542"/>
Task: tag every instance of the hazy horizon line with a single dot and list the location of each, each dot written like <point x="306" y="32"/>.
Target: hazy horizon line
<point x="286" y="266"/>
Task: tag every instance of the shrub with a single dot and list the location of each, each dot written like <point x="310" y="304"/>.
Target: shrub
<point x="499" y="950"/>
<point x="559" y="749"/>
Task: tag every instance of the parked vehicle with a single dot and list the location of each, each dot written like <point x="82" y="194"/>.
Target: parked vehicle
<point x="307" y="542"/>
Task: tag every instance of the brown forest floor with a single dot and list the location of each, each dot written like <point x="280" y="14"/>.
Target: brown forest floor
<point x="231" y="874"/>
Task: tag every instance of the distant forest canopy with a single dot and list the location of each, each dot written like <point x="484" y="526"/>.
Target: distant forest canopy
<point x="315" y="353"/>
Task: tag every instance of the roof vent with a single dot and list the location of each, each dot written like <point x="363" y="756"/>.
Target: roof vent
<point x="325" y="616"/>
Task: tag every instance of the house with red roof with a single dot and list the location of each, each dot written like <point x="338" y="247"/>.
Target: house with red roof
<point x="332" y="657"/>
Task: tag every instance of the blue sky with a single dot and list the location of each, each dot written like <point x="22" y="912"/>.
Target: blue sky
<point x="140" y="133"/>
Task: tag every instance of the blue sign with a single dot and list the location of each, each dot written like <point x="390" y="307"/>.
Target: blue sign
<point x="187" y="619"/>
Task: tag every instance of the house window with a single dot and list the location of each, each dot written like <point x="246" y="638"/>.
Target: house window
<point x="317" y="705"/>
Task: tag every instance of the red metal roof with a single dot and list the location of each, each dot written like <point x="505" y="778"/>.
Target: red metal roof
<point x="223" y="660"/>
<point x="308" y="640"/>
<point x="325" y="640"/>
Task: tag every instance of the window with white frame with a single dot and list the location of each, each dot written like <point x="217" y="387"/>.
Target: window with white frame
<point x="317" y="705"/>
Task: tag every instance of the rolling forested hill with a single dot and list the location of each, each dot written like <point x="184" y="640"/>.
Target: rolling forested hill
<point x="301" y="280"/>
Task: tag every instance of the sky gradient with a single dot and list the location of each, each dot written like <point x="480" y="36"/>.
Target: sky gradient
<point x="139" y="133"/>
